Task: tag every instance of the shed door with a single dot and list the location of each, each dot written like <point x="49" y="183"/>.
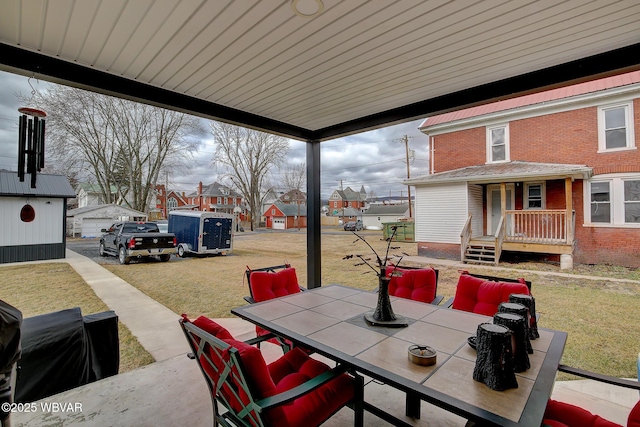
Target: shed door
<point x="278" y="224"/>
<point x="91" y="226"/>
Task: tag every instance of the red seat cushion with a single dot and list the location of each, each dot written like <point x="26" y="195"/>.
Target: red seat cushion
<point x="560" y="414"/>
<point x="414" y="284"/>
<point x="295" y="368"/>
<point x="481" y="296"/>
<point x="266" y="285"/>
<point x="291" y="370"/>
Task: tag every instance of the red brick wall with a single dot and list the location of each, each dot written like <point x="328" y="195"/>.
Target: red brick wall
<point x="439" y="250"/>
<point x="460" y="149"/>
<point x="566" y="137"/>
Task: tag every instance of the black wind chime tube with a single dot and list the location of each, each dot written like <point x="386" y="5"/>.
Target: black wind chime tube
<point x="30" y="143"/>
<point x="22" y="138"/>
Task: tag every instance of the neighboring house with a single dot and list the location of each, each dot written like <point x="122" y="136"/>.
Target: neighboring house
<point x="177" y="200"/>
<point x="89" y="220"/>
<point x="282" y="216"/>
<point x="269" y="198"/>
<point x="347" y="198"/>
<point x="33" y="219"/>
<point x="294" y="197"/>
<point x="377" y="215"/>
<point x="554" y="173"/>
<point x="350" y="214"/>
<point x="163" y="201"/>
<point x="217" y="198"/>
<point x="90" y="195"/>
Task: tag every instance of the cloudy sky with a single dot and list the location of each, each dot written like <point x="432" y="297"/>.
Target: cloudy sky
<point x="375" y="159"/>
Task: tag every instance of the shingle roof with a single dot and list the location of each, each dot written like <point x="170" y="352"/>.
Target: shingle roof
<point x="500" y="172"/>
<point x="386" y="210"/>
<point x="46" y="185"/>
<point x="291" y="209"/>
<point x="536" y="98"/>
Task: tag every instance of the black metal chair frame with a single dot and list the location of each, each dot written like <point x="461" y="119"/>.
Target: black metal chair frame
<point x="255" y="407"/>
<point x="272" y="269"/>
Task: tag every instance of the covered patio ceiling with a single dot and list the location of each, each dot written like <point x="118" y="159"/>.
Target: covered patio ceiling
<point x="355" y="65"/>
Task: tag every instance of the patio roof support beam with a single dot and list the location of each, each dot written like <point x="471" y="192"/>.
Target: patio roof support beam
<point x="314" y="206"/>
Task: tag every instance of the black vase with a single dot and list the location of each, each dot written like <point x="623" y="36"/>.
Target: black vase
<point x="383" y="315"/>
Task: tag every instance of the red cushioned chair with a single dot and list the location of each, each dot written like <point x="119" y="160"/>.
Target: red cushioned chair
<point x="295" y="390"/>
<point x="483" y="294"/>
<point x="418" y="284"/>
<point x="560" y="414"/>
<point x="272" y="282"/>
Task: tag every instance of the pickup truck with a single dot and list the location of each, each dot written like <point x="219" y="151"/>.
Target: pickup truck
<point x="130" y="239"/>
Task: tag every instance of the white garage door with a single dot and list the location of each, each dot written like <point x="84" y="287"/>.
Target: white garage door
<point x="278" y="224"/>
<point x="91" y="226"/>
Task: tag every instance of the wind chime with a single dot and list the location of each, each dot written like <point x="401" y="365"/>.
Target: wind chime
<point x="30" y="143"/>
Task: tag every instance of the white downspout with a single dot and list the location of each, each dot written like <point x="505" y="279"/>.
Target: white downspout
<point x="431" y="155"/>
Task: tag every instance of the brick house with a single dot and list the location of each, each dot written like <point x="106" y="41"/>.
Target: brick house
<point x="554" y="173"/>
<point x="347" y="198"/>
<point x="294" y="197"/>
<point x="283" y="216"/>
<point x="217" y="198"/>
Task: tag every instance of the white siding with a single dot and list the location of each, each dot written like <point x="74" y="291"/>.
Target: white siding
<point x="45" y="228"/>
<point x="475" y="209"/>
<point x="441" y="212"/>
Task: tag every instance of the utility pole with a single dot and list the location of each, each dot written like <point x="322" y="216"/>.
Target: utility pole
<point x="405" y="139"/>
<point x="341" y="201"/>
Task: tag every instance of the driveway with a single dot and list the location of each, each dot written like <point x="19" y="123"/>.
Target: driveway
<point x="89" y="248"/>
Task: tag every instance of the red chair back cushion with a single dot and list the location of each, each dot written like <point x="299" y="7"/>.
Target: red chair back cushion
<point x="560" y="414"/>
<point x="634" y="416"/>
<point x="481" y="296"/>
<point x="266" y="285"/>
<point x="418" y="285"/>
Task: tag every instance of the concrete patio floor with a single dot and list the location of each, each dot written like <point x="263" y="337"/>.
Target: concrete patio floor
<point x="172" y="391"/>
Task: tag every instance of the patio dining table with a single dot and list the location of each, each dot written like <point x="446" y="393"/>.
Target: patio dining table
<point x="329" y="320"/>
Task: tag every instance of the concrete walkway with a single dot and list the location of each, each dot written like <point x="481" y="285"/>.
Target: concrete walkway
<point x="173" y="392"/>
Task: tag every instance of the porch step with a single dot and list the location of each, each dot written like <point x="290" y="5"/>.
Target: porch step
<point x="480" y="253"/>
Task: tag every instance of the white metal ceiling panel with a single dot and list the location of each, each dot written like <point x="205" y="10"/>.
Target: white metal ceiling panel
<point x="356" y="59"/>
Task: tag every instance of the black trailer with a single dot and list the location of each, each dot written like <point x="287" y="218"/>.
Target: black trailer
<point x="202" y="232"/>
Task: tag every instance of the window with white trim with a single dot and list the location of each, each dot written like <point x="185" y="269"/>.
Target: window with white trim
<point x="632" y="201"/>
<point x="172" y="203"/>
<point x="498" y="144"/>
<point x="534" y="196"/>
<point x="601" y="202"/>
<point x="615" y="127"/>
<point x="615" y="200"/>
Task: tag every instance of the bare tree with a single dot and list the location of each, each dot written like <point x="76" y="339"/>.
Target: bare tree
<point x="295" y="178"/>
<point x="247" y="155"/>
<point x="115" y="143"/>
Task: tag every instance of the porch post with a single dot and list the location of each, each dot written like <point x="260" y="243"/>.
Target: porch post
<point x="503" y="200"/>
<point x="314" y="206"/>
<point x="568" y="194"/>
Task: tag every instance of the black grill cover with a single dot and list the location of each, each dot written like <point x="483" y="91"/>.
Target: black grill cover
<point x="62" y="350"/>
<point x="10" y="325"/>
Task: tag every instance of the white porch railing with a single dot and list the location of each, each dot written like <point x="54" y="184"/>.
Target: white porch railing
<point x="539" y="226"/>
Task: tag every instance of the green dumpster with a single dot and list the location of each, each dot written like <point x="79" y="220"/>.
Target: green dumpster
<point x="405" y="231"/>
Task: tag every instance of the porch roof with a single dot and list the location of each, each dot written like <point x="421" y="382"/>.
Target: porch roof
<point x="504" y="172"/>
